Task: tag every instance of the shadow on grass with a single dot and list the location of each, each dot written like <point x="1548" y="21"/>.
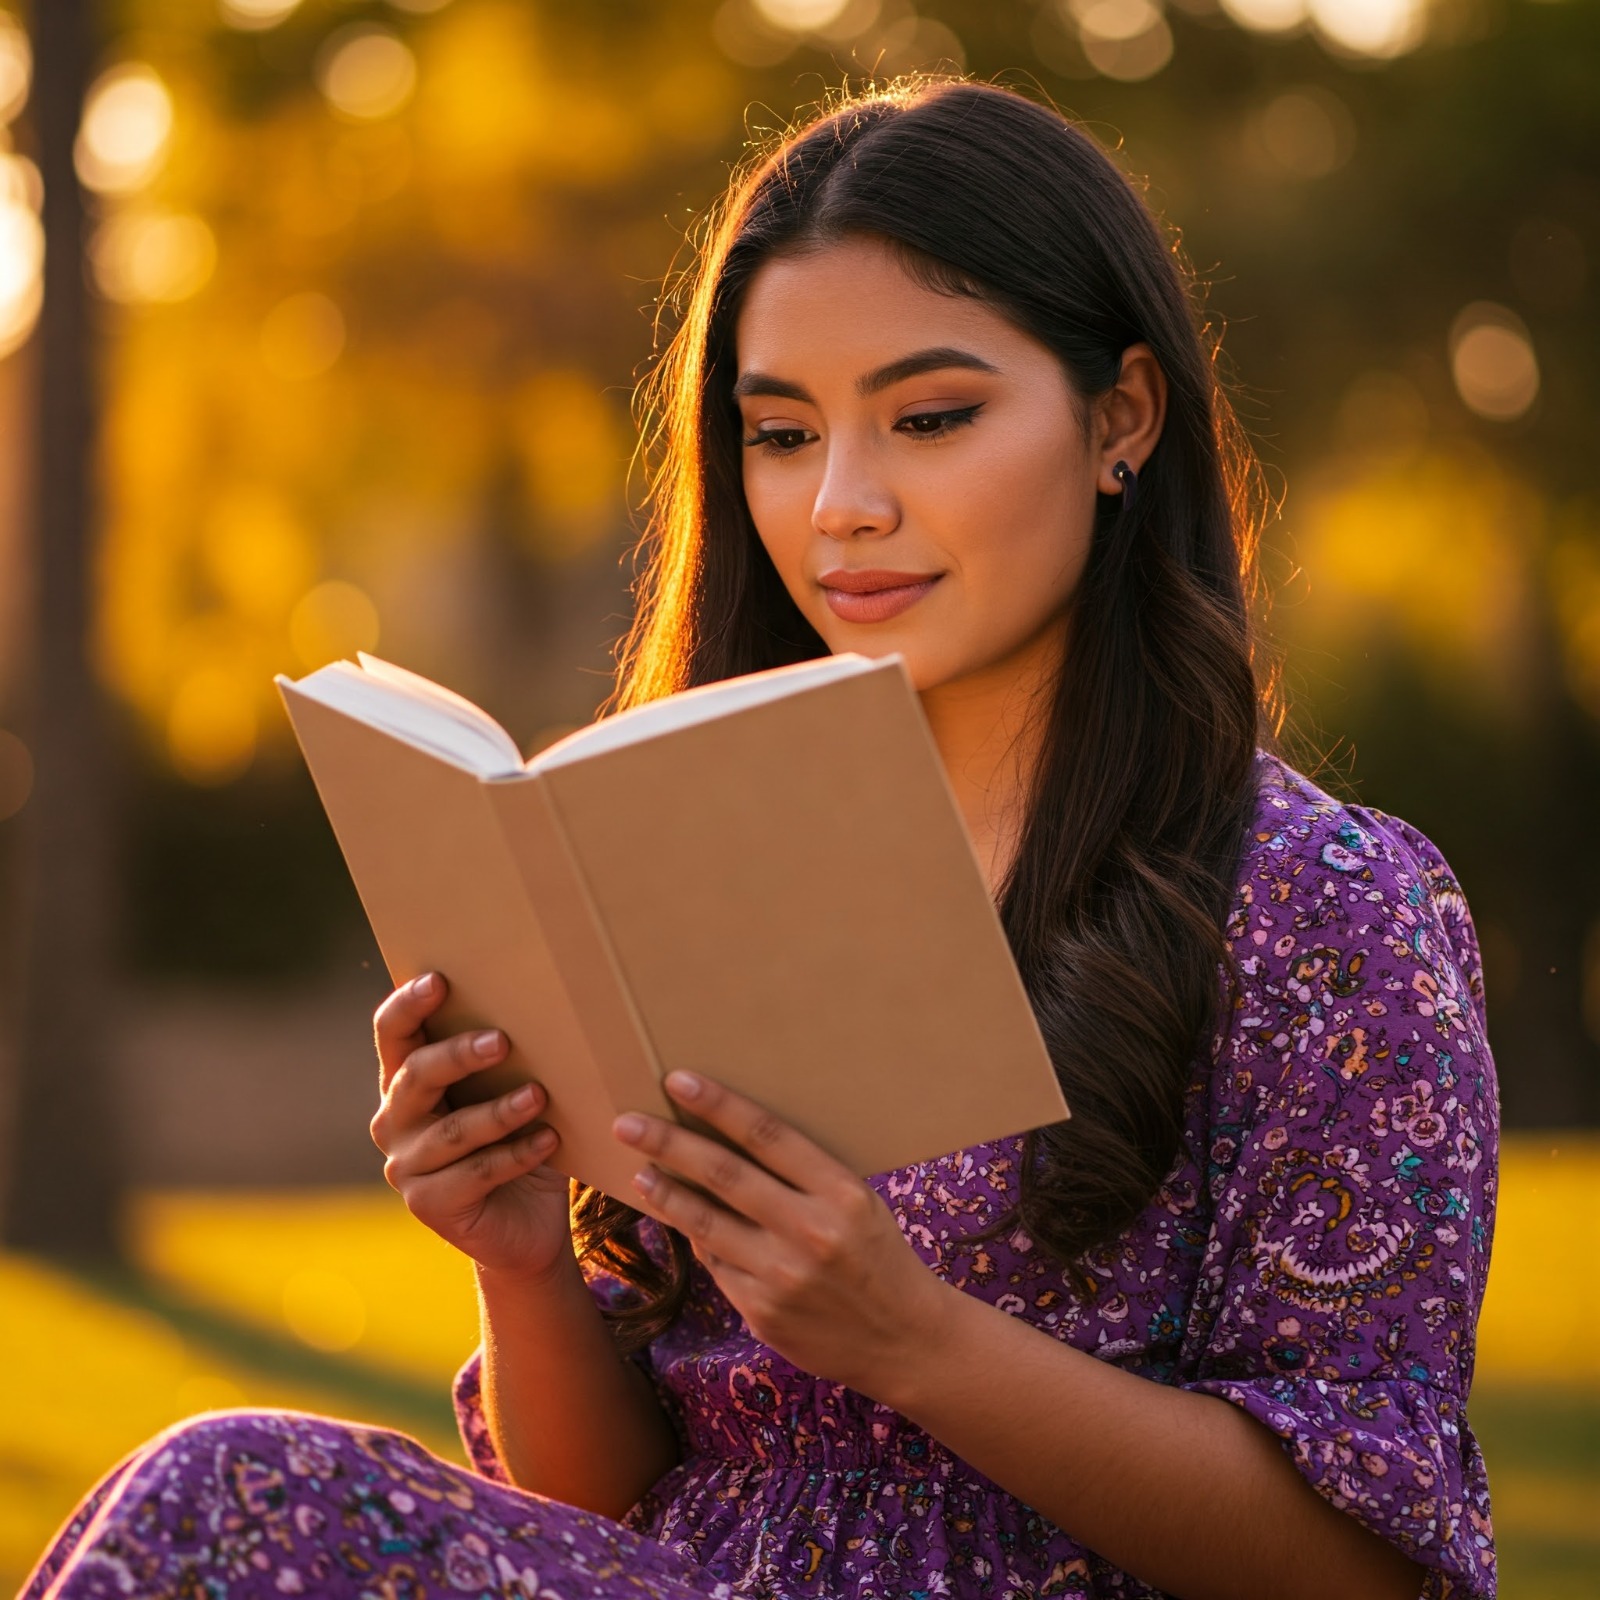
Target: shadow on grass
<point x="402" y="1402"/>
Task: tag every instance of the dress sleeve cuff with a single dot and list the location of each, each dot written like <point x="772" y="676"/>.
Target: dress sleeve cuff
<point x="467" y="1394"/>
<point x="1397" y="1455"/>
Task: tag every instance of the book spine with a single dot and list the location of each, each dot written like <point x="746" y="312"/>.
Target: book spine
<point x="553" y="880"/>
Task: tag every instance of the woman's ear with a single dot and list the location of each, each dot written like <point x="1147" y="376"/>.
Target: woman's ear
<point x="1128" y="416"/>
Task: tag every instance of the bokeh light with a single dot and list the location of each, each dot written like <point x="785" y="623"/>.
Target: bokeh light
<point x="1493" y="363"/>
<point x="1306" y="132"/>
<point x="16" y="774"/>
<point x="21" y="252"/>
<point x="366" y="72"/>
<point x="324" y="1309"/>
<point x="256" y="554"/>
<point x="302" y="336"/>
<point x="127" y="125"/>
<point x="1380" y="29"/>
<point x="152" y="257"/>
<point x="211" y="723"/>
<point x="16" y="67"/>
<point x="333" y="622"/>
<point x="1125" y="39"/>
<point x="801" y="16"/>
<point x="253" y="16"/>
<point x="1267" y="16"/>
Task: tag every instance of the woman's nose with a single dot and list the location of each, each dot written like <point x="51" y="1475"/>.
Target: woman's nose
<point x="853" y="501"/>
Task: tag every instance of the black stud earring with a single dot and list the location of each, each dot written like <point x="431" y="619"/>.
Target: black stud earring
<point x="1129" y="479"/>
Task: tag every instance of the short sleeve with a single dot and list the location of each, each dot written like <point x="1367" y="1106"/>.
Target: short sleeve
<point x="1354" y="1124"/>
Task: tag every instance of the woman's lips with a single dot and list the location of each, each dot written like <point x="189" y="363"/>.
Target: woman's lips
<point x="873" y="596"/>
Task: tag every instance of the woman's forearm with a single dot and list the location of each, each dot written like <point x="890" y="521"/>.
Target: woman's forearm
<point x="1185" y="1491"/>
<point x="569" y="1417"/>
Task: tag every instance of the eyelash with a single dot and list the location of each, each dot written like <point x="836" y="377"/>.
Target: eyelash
<point x="949" y="421"/>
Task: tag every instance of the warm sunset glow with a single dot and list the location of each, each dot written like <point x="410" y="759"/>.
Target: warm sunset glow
<point x="152" y="257"/>
<point x="1377" y="28"/>
<point x="331" y="623"/>
<point x="127" y="125"/>
<point x="16" y="67"/>
<point x="253" y="16"/>
<point x="21" y="255"/>
<point x="1267" y="16"/>
<point x="1306" y="132"/>
<point x="1125" y="39"/>
<point x="365" y="72"/>
<point x="211" y="724"/>
<point x="302" y="336"/>
<point x="324" y="1309"/>
<point x="1492" y="361"/>
<point x="801" y="16"/>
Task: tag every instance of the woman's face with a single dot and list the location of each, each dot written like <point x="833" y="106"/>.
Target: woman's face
<point x="918" y="468"/>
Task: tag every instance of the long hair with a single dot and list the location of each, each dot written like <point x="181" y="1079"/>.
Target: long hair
<point x="1144" y="781"/>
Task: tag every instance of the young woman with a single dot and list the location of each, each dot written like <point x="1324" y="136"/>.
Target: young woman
<point x="938" y="389"/>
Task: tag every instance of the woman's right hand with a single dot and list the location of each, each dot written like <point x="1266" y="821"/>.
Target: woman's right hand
<point x="474" y="1174"/>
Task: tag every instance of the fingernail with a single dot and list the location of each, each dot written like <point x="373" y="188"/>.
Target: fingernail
<point x="425" y="985"/>
<point x="523" y="1098"/>
<point x="628" y="1126"/>
<point x="645" y="1181"/>
<point x="486" y="1044"/>
<point x="685" y="1085"/>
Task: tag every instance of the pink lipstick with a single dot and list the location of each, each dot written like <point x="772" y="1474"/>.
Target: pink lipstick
<point x="873" y="595"/>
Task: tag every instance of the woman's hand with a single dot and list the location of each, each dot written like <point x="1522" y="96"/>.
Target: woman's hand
<point x="804" y="1249"/>
<point x="475" y="1175"/>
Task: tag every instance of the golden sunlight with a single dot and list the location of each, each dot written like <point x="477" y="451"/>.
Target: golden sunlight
<point x="332" y="622"/>
<point x="302" y="336"/>
<point x="253" y="16"/>
<point x="1492" y="361"/>
<point x="21" y="251"/>
<point x="152" y="257"/>
<point x="16" y="67"/>
<point x="366" y="72"/>
<point x="127" y="126"/>
<point x="1128" y="40"/>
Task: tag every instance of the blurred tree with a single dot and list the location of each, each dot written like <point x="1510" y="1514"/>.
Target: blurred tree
<point x="62" y="1174"/>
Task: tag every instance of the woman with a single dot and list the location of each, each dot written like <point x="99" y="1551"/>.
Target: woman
<point x="937" y="389"/>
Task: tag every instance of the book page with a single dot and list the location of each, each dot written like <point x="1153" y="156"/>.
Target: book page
<point x="704" y="704"/>
<point x="413" y="709"/>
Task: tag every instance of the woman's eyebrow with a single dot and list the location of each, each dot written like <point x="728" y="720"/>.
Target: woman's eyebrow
<point x="935" y="359"/>
<point x="921" y="361"/>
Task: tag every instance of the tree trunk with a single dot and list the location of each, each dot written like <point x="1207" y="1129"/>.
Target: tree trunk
<point x="63" y="1177"/>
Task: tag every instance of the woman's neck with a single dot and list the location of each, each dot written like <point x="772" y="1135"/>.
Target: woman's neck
<point x="989" y="741"/>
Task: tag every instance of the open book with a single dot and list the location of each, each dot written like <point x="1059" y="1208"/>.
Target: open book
<point x="764" y="880"/>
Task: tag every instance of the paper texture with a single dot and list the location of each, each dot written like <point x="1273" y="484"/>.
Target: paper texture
<point x="782" y="897"/>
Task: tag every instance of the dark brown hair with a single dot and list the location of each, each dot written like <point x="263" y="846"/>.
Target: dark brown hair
<point x="1145" y="778"/>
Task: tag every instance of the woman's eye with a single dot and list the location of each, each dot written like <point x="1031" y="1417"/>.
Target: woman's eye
<point x="777" y="441"/>
<point x="933" y="424"/>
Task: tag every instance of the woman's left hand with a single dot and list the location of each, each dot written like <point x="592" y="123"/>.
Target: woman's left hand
<point x="802" y="1247"/>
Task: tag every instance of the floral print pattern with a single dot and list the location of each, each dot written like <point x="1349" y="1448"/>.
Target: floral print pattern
<point x="1317" y="1256"/>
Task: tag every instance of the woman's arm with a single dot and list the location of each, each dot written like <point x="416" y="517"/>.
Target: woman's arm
<point x="1186" y="1491"/>
<point x="1182" y="1490"/>
<point x="568" y="1416"/>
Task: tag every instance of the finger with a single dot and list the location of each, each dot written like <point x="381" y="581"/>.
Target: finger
<point x="711" y="1230"/>
<point x="777" y="1145"/>
<point x="397" y="1025"/>
<point x="419" y="1084"/>
<point x="738" y="1183"/>
<point x="467" y="1128"/>
<point x="467" y="1183"/>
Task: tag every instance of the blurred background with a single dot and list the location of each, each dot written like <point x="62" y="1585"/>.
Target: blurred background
<point x="319" y="323"/>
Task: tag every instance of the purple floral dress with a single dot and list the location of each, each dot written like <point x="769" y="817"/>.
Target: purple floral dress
<point x="1317" y="1255"/>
